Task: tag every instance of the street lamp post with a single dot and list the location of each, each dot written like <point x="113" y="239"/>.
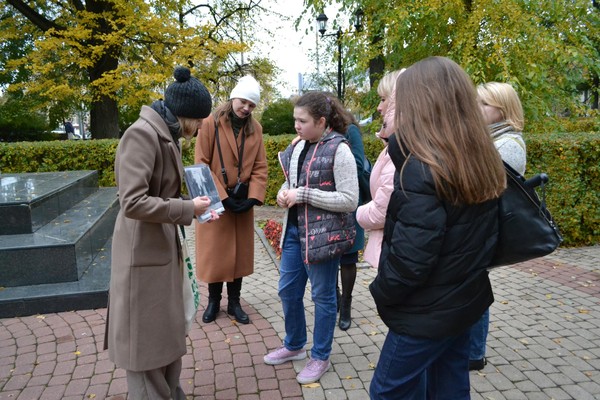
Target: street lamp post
<point x="322" y="22"/>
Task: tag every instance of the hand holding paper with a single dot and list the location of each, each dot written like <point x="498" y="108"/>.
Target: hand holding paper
<point x="203" y="192"/>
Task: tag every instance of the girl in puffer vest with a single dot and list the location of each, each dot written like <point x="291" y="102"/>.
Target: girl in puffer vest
<point x="319" y="195"/>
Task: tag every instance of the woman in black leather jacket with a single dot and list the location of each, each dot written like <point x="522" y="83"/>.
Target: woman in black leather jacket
<point x="439" y="235"/>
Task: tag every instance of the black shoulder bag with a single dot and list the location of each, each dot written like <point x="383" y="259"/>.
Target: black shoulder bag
<point x="526" y="229"/>
<point x="240" y="190"/>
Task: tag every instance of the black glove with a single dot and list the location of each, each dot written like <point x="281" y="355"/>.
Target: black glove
<point x="247" y="204"/>
<point x="232" y="204"/>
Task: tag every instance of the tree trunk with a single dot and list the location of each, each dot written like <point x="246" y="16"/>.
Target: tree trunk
<point x="376" y="68"/>
<point x="376" y="64"/>
<point x="104" y="118"/>
<point x="104" y="113"/>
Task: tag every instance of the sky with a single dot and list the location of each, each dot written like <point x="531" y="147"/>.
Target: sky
<point x="288" y="49"/>
<point x="291" y="50"/>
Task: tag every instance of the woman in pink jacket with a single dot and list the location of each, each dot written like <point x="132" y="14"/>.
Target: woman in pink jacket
<point x="371" y="216"/>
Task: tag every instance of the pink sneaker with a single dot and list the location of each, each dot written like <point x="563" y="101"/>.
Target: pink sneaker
<point x="313" y="371"/>
<point x="281" y="355"/>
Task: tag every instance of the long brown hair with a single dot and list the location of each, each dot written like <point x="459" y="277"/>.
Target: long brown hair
<point x="226" y="109"/>
<point x="440" y="123"/>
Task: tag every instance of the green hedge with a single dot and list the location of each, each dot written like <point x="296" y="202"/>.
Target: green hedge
<point x="571" y="160"/>
<point x="63" y="155"/>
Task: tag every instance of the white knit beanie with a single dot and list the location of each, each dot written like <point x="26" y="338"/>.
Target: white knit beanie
<point x="248" y="89"/>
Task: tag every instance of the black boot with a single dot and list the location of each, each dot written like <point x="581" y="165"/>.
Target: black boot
<point x="348" y="275"/>
<point x="477" y="365"/>
<point x="212" y="309"/>
<point x="345" y="313"/>
<point x="233" y="307"/>
<point x="214" y="302"/>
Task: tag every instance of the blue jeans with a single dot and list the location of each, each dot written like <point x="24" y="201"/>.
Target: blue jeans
<point x="412" y="368"/>
<point x="292" y="284"/>
<point x="479" y="332"/>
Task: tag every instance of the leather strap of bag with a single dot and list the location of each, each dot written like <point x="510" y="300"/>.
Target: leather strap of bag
<point x="240" y="155"/>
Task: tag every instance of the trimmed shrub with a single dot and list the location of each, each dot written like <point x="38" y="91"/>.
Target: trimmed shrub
<point x="277" y="119"/>
<point x="572" y="161"/>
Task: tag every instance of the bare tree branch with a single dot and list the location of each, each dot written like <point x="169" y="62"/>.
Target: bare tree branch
<point x="38" y="20"/>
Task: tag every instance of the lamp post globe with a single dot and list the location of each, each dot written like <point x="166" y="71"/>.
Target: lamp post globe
<point x="322" y="23"/>
<point x="357" y="21"/>
<point x="359" y="16"/>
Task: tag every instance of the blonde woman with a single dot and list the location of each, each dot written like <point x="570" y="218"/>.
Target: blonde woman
<point x="503" y="113"/>
<point x="371" y="216"/>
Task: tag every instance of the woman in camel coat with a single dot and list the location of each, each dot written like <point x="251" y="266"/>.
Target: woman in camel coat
<point x="225" y="248"/>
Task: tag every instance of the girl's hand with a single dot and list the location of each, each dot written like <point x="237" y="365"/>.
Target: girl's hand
<point x="201" y="203"/>
<point x="282" y="199"/>
<point x="291" y="197"/>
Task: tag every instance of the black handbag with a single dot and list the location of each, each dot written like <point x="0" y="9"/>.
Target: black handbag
<point x="240" y="190"/>
<point x="526" y="228"/>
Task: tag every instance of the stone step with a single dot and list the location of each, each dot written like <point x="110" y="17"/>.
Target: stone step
<point x="64" y="248"/>
<point x="89" y="292"/>
<point x="29" y="201"/>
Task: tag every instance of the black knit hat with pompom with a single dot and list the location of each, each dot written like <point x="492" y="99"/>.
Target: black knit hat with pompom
<point x="187" y="96"/>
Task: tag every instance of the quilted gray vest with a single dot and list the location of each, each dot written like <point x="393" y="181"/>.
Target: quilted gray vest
<point x="324" y="235"/>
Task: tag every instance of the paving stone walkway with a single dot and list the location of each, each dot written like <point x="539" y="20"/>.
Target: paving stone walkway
<point x="544" y="341"/>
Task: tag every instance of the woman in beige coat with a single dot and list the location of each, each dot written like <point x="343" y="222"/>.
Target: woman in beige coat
<point x="146" y="323"/>
<point x="225" y="249"/>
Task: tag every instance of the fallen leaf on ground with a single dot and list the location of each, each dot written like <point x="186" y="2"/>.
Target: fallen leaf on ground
<point x="312" y="385"/>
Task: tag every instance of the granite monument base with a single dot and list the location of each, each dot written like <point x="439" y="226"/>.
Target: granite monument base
<point x="55" y="241"/>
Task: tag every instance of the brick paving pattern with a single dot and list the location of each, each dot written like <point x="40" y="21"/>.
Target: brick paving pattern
<point x="544" y="341"/>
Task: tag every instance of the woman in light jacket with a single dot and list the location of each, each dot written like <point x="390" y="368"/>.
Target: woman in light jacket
<point x="503" y="113"/>
<point x="371" y="216"/>
<point x="146" y="322"/>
